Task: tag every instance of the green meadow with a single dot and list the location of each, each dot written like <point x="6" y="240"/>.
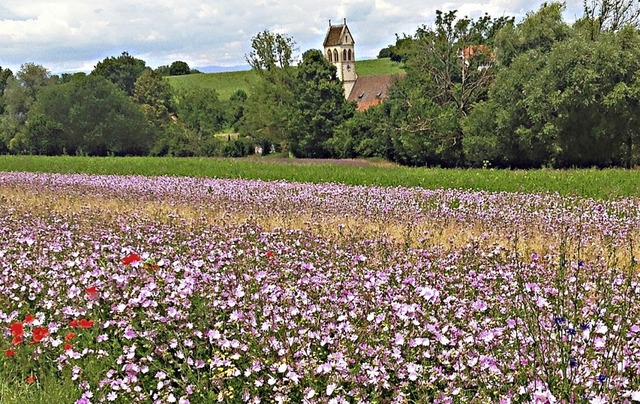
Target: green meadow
<point x="227" y="83"/>
<point x="593" y="183"/>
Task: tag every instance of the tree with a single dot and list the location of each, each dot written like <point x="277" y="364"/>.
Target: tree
<point x="201" y="111"/>
<point x="572" y="101"/>
<point x="320" y="106"/>
<point x="154" y="94"/>
<point x="510" y="127"/>
<point x="363" y="135"/>
<point x="448" y="72"/>
<point x="18" y="97"/>
<point x="611" y="14"/>
<point x="235" y="109"/>
<point x="399" y="51"/>
<point x="270" y="51"/>
<point x="123" y="71"/>
<point x="4" y="77"/>
<point x="179" y="68"/>
<point x="87" y="115"/>
<point x="268" y="110"/>
<point x="539" y="31"/>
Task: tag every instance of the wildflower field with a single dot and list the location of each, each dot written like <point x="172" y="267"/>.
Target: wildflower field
<point x="173" y="289"/>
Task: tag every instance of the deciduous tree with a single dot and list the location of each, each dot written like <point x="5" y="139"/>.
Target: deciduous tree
<point x="122" y="70"/>
<point x="270" y="50"/>
<point x="88" y="115"/>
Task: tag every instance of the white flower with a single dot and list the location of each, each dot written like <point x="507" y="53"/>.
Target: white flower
<point x="310" y="394"/>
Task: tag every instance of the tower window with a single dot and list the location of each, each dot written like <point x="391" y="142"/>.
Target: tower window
<point x="335" y="55"/>
<point x="344" y="54"/>
<point x="330" y="56"/>
<point x="350" y="55"/>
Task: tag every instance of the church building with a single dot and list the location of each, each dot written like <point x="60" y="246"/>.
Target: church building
<point x="339" y="49"/>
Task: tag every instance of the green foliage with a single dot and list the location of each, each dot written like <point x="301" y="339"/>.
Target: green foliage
<point x="154" y="94"/>
<point x="89" y="115"/>
<point x="179" y="68"/>
<point x="4" y="76"/>
<point x="234" y="115"/>
<point x="361" y="136"/>
<point x="270" y="51"/>
<point x="320" y="106"/>
<point x="538" y="31"/>
<point x="270" y="106"/>
<point x="444" y="81"/>
<point x="398" y="52"/>
<point x="201" y="111"/>
<point x="566" y="99"/>
<point x="611" y="15"/>
<point x="18" y="97"/>
<point x="238" y="148"/>
<point x="123" y="71"/>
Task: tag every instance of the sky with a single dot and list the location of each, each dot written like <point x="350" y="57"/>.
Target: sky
<point x="67" y="36"/>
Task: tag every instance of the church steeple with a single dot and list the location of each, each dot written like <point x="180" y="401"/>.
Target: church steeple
<point x="339" y="49"/>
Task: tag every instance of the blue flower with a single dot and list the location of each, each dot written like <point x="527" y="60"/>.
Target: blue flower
<point x="584" y="326"/>
<point x="580" y="263"/>
<point x="573" y="362"/>
<point x="571" y="331"/>
<point x="602" y="378"/>
<point x="560" y="321"/>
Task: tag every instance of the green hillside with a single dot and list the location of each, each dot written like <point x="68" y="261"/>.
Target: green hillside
<point x="228" y="82"/>
<point x="225" y="83"/>
<point x="378" y="67"/>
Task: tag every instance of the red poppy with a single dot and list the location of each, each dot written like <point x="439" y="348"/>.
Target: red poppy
<point x="131" y="258"/>
<point x="17" y="330"/>
<point x="39" y="333"/>
<point x="73" y="323"/>
<point x="269" y="254"/>
<point x="70" y="335"/>
<point x="9" y="352"/>
<point x="30" y="379"/>
<point x="17" y="340"/>
<point x="29" y="318"/>
<point x="84" y="323"/>
<point x="68" y="347"/>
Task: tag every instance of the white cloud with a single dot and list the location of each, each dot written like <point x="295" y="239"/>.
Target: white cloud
<point x="72" y="35"/>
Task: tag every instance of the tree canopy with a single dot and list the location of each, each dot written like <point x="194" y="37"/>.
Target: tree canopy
<point x="122" y="70"/>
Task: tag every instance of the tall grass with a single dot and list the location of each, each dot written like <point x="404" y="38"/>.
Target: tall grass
<point x="600" y="184"/>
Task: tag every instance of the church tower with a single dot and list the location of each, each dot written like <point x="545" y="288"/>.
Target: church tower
<point x="339" y="50"/>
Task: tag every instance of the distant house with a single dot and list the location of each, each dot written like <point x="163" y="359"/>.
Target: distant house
<point x="480" y="53"/>
<point x="339" y="49"/>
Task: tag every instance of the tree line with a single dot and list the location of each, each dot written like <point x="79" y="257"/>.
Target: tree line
<point x="490" y="92"/>
<point x="476" y="93"/>
<point x="121" y="108"/>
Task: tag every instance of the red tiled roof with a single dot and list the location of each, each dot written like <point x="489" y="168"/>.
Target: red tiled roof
<point x="371" y="90"/>
<point x="474" y="50"/>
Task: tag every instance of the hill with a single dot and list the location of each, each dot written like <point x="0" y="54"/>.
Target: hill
<point x="226" y="83"/>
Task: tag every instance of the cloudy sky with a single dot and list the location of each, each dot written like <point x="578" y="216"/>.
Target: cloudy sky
<point x="73" y="35"/>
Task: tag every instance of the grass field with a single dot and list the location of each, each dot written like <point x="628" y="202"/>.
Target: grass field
<point x="600" y="184"/>
<point x="229" y="82"/>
